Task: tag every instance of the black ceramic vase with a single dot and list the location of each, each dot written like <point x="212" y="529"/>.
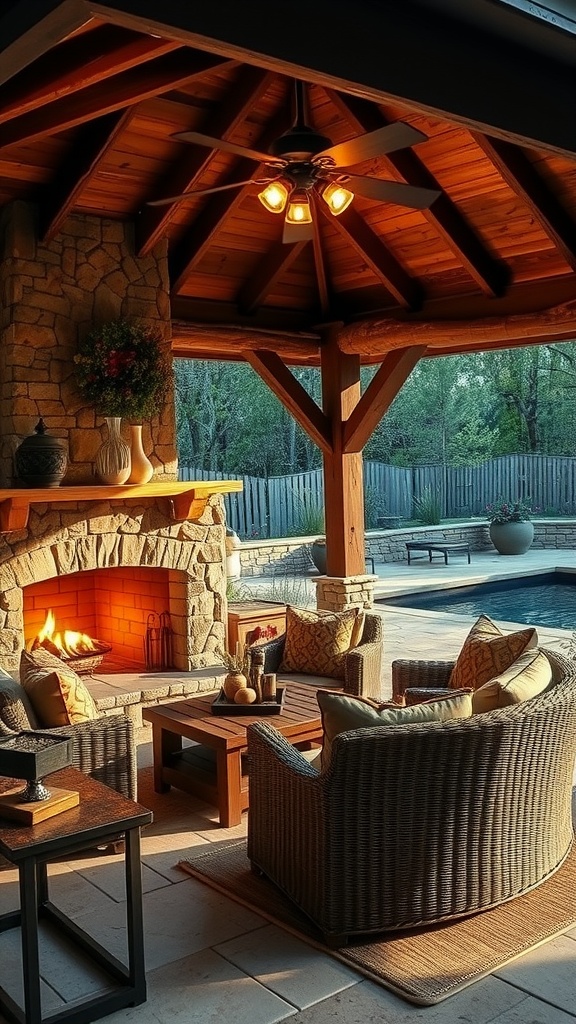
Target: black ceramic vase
<point x="41" y="459"/>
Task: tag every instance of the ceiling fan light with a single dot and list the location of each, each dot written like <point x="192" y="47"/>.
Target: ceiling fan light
<point x="337" y="198"/>
<point x="299" y="211"/>
<point x="274" y="197"/>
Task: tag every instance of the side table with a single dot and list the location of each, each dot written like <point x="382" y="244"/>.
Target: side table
<point x="101" y="816"/>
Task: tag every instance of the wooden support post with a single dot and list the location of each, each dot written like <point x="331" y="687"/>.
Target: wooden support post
<point x="343" y="474"/>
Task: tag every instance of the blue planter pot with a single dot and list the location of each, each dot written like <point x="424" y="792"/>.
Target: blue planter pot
<point x="512" y="538"/>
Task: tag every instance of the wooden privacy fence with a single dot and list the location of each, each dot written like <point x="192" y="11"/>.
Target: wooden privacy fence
<point x="281" y="506"/>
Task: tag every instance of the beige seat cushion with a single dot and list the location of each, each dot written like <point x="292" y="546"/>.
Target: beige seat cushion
<point x="342" y="712"/>
<point x="487" y="652"/>
<point x="317" y="643"/>
<point x="57" y="694"/>
<point x="528" y="676"/>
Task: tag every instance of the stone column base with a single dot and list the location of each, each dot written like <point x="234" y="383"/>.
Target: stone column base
<point x="337" y="593"/>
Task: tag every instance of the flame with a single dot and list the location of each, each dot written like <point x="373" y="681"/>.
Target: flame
<point x="70" y="643"/>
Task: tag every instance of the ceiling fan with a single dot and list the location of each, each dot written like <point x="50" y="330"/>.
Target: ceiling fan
<point x="304" y="164"/>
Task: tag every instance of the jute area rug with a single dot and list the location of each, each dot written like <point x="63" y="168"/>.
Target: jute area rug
<point x="424" y="965"/>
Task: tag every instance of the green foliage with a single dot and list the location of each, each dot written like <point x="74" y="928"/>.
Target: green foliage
<point x="509" y="511"/>
<point x="310" y="517"/>
<point x="428" y="507"/>
<point x="122" y="371"/>
<point x="282" y="589"/>
<point x="374" y="506"/>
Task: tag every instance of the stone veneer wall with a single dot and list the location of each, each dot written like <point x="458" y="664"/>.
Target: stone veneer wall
<point x="53" y="294"/>
<point x="63" y="539"/>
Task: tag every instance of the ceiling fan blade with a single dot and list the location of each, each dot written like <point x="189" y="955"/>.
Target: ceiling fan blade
<point x="384" y="140"/>
<point x="392" y="191"/>
<point x="207" y="191"/>
<point x="229" y="147"/>
<point x="297" y="233"/>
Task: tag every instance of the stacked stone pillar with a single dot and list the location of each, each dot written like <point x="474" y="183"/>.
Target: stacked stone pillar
<point x="337" y="593"/>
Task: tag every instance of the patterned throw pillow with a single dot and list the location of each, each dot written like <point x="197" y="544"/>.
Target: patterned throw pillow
<point x="487" y="652"/>
<point x="16" y="711"/>
<point x="56" y="692"/>
<point x="342" y="711"/>
<point x="528" y="676"/>
<point x="317" y="643"/>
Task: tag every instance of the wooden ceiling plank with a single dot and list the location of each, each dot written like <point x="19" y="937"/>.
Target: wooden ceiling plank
<point x="243" y="94"/>
<point x="382" y="263"/>
<point x="377" y="336"/>
<point x="276" y="262"/>
<point x="274" y="373"/>
<point x="196" y="240"/>
<point x="521" y="176"/>
<point x="29" y="30"/>
<point x="76" y="64"/>
<point x="488" y="274"/>
<point x="139" y="83"/>
<point x="74" y="176"/>
<point x="395" y="369"/>
<point x="320" y="265"/>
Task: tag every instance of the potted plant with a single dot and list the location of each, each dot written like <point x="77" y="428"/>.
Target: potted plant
<point x="511" y="529"/>
<point x="122" y="371"/>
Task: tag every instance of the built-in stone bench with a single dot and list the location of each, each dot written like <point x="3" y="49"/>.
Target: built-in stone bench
<point x="129" y="692"/>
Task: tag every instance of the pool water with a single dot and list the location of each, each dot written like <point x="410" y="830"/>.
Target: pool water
<point x="545" y="600"/>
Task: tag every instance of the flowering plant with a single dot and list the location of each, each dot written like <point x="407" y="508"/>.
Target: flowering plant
<point x="121" y="370"/>
<point x="509" y="511"/>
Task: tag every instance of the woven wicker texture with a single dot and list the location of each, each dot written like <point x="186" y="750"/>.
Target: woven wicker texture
<point x="424" y="966"/>
<point x="418" y="823"/>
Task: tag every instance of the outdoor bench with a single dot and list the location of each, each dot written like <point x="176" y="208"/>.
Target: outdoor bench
<point x="443" y="548"/>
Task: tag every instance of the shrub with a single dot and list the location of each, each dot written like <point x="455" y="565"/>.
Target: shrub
<point x="428" y="507"/>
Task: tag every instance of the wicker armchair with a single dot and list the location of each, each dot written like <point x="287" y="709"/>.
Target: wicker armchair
<point x="362" y="666"/>
<point x="419" y="823"/>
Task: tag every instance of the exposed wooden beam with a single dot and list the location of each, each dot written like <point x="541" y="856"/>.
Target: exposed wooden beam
<point x="443" y="215"/>
<point x="222" y="341"/>
<point x="382" y="263"/>
<point x="527" y="95"/>
<point x="29" y="30"/>
<point x="140" y="83"/>
<point x="217" y="208"/>
<point x="273" y="265"/>
<point x="395" y="369"/>
<point x="320" y="265"/>
<point x="243" y="94"/>
<point x="293" y="396"/>
<point x="379" y="336"/>
<point x="522" y="177"/>
<point x="76" y="64"/>
<point x="213" y="313"/>
<point x="73" y="177"/>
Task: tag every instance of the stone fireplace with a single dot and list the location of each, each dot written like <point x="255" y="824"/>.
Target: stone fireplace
<point x="104" y="557"/>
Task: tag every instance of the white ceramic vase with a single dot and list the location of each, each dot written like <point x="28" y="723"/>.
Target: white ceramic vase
<point x="113" y="456"/>
<point x="142" y="469"/>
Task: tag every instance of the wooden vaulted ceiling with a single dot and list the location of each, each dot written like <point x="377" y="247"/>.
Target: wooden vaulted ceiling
<point x="88" y="126"/>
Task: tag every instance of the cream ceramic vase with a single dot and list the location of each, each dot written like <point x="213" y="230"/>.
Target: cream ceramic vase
<point x="142" y="469"/>
<point x="113" y="456"/>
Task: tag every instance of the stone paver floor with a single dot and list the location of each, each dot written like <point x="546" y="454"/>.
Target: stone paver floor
<point x="208" y="959"/>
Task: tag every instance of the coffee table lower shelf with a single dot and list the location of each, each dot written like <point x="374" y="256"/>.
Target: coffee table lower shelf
<point x="194" y="769"/>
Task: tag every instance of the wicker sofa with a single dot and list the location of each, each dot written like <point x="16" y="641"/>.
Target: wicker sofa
<point x="418" y="823"/>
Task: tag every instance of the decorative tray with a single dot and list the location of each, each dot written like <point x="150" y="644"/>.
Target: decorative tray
<point x="222" y="706"/>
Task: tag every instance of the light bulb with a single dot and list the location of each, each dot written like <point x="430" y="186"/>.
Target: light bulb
<point x="298" y="211"/>
<point x="337" y="198"/>
<point x="274" y="197"/>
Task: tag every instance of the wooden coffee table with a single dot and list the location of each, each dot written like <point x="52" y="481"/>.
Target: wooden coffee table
<point x="214" y="770"/>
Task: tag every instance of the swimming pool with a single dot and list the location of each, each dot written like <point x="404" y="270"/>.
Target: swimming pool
<point x="545" y="600"/>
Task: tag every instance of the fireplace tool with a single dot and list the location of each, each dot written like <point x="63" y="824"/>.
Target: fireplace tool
<point x="158" y="642"/>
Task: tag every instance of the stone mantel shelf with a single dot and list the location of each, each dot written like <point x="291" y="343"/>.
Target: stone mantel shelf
<point x="188" y="498"/>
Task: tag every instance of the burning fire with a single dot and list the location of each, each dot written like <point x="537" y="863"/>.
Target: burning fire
<point x="68" y="644"/>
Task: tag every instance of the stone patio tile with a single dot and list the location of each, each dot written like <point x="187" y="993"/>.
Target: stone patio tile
<point x="11" y="975"/>
<point x="106" y="872"/>
<point x="294" y="970"/>
<point x="368" y="1003"/>
<point x="178" y="920"/>
<point x="74" y="894"/>
<point x="532" y="1011"/>
<point x="547" y="972"/>
<point x="162" y="852"/>
<point x="201" y="989"/>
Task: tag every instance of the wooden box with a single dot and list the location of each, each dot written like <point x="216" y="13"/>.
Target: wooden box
<point x="246" y="615"/>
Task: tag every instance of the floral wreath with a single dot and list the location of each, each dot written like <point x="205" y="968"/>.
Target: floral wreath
<point x="121" y="369"/>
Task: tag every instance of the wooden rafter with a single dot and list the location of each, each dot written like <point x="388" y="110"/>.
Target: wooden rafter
<point x="522" y="177"/>
<point x="29" y="30"/>
<point x="293" y="396"/>
<point x="489" y="275"/>
<point x="74" y="175"/>
<point x="139" y="83"/>
<point x="243" y="93"/>
<point x="383" y="264"/>
<point x="76" y="64"/>
<point x="271" y="268"/>
<point x="395" y="369"/>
